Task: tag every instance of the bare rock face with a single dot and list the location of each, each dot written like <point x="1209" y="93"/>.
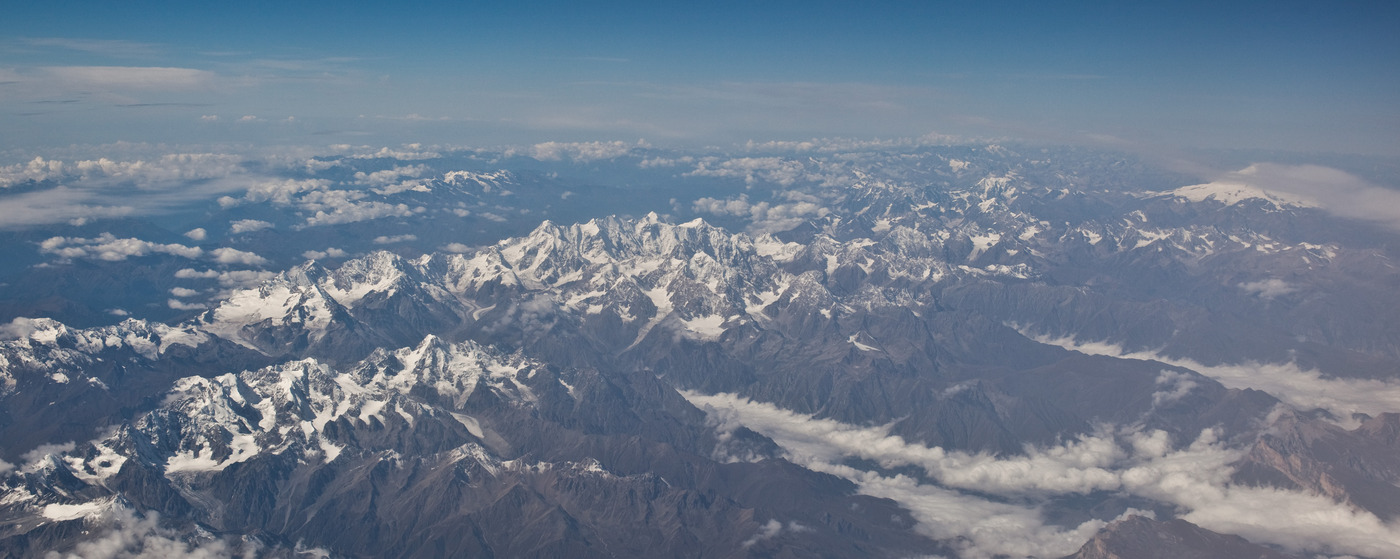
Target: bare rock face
<point x="1360" y="466"/>
<point x="1139" y="537"/>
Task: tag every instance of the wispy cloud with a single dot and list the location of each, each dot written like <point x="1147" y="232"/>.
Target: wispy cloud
<point x="104" y="47"/>
<point x="110" y="248"/>
<point x="131" y="536"/>
<point x="1300" y="388"/>
<point x="131" y="77"/>
<point x="1337" y="191"/>
<point x="103" y="188"/>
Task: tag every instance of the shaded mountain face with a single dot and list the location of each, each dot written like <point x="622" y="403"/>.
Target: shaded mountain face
<point x="942" y="351"/>
<point x="1145" y="538"/>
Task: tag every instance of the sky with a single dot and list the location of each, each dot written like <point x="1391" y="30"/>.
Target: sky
<point x="1300" y="76"/>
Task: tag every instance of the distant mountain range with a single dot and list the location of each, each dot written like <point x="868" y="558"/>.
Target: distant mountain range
<point x="957" y="351"/>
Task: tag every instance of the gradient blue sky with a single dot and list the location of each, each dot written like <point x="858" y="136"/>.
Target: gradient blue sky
<point x="1307" y="76"/>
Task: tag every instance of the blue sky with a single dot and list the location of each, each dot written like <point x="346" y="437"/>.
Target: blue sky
<point x="1274" y="75"/>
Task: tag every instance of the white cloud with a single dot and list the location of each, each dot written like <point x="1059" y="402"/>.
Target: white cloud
<point x="36" y="169"/>
<point x="165" y="170"/>
<point x="772" y="528"/>
<point x="191" y="273"/>
<point x="228" y="279"/>
<point x="1174" y="385"/>
<point x="319" y="254"/>
<point x="102" y="188"/>
<point x="317" y="165"/>
<point x="1195" y="479"/>
<point x="765" y="216"/>
<point x="753" y="169"/>
<point x="389" y="176"/>
<point x="248" y="226"/>
<point x="409" y="152"/>
<point x="197" y="234"/>
<point x="183" y="292"/>
<point x="1268" y="289"/>
<point x="653" y="162"/>
<point x="1299" y="388"/>
<point x="983" y="528"/>
<point x="576" y="151"/>
<point x="281" y="191"/>
<point x="108" y="247"/>
<point x="105" y="47"/>
<point x="133" y="537"/>
<point x="58" y="205"/>
<point x="832" y="145"/>
<point x="765" y="532"/>
<point x="131" y="77"/>
<point x="234" y="256"/>
<point x="21" y="327"/>
<point x="1338" y="192"/>
<point x="387" y="240"/>
<point x="34" y="459"/>
<point x="345" y="211"/>
<point x="456" y="247"/>
<point x="244" y="278"/>
<point x="183" y="306"/>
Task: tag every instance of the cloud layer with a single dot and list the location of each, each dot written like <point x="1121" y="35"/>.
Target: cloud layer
<point x="1194" y="477"/>
<point x="1302" y="389"/>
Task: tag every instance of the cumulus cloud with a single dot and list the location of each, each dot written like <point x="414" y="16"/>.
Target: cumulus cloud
<point x="765" y="216"/>
<point x="34" y="459"/>
<point x="1194" y="478"/>
<point x="106" y="188"/>
<point x="234" y="256"/>
<point x="130" y="536"/>
<point x="983" y="528"/>
<point x="1267" y="289"/>
<point x="576" y="151"/>
<point x="456" y="247"/>
<point x="183" y="306"/>
<point x="346" y="211"/>
<point x="197" y="234"/>
<point x="752" y="169"/>
<point x="21" y="327"/>
<point x="1302" y="389"/>
<point x="409" y="152"/>
<point x="772" y="528"/>
<point x="231" y="279"/>
<point x="183" y="292"/>
<point x="389" y="176"/>
<point x="1174" y="386"/>
<point x="248" y="226"/>
<point x="167" y="169"/>
<point x="108" y="247"/>
<point x="388" y="240"/>
<point x="280" y="191"/>
<point x="319" y="254"/>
